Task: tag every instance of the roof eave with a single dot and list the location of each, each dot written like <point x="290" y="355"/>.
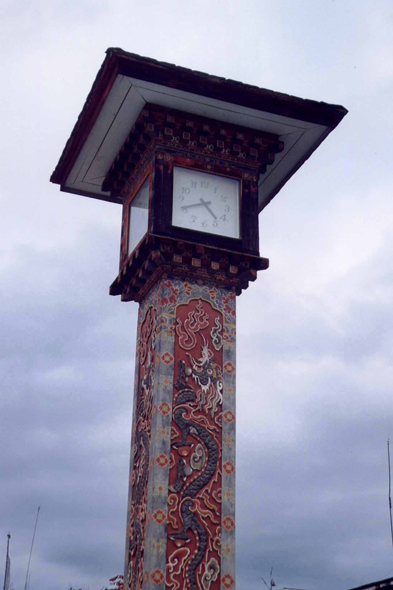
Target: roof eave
<point x="198" y="84"/>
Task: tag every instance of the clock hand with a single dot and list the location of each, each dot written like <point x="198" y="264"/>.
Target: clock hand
<point x="186" y="207"/>
<point x="207" y="203"/>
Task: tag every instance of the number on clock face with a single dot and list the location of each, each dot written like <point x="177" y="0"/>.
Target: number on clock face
<point x="206" y="202"/>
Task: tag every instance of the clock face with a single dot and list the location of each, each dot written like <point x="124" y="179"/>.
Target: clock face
<point x="206" y="202"/>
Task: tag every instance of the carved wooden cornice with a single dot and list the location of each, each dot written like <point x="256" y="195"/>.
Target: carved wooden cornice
<point x="157" y="126"/>
<point x="157" y="256"/>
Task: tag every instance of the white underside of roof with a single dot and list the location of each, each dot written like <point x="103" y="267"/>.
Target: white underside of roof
<point x="128" y="97"/>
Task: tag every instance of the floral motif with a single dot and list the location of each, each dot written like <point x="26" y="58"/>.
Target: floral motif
<point x="229" y="367"/>
<point x="229" y="304"/>
<point x="159" y="489"/>
<point x="167" y="294"/>
<point x="167" y="358"/>
<point x="229" y="416"/>
<point x="228" y="495"/>
<point x="227" y="581"/>
<point x="228" y="523"/>
<point x="157" y="546"/>
<point x="158" y="577"/>
<point x="164" y="408"/>
<point x="213" y="293"/>
<point x="228" y="549"/>
<point x="162" y="460"/>
<point x="188" y="289"/>
<point x="229" y="467"/>
<point x="159" y="516"/>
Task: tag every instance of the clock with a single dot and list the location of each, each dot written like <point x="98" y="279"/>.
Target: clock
<point x="206" y="202"/>
<point x="192" y="215"/>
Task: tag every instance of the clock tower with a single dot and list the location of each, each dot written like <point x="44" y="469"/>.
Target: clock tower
<point x="192" y="159"/>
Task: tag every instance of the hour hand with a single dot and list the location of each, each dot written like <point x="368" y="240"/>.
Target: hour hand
<point x="186" y="207"/>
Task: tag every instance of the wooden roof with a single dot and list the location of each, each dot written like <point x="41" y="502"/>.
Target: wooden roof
<point x="126" y="82"/>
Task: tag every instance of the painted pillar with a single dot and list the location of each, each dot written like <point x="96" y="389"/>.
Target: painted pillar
<point x="181" y="508"/>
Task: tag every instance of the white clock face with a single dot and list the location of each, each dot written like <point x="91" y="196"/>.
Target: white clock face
<point x="206" y="202"/>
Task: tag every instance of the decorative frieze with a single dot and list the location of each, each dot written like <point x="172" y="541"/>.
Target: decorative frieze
<point x="157" y="126"/>
<point x="157" y="256"/>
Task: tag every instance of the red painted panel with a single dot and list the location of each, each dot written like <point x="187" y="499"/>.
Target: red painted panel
<point x="194" y="512"/>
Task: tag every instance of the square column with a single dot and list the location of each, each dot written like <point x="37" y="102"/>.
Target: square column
<point x="181" y="508"/>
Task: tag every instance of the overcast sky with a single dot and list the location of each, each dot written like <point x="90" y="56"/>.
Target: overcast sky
<point x="315" y="332"/>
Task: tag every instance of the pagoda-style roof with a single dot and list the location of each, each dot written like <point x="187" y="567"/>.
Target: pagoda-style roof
<point x="127" y="82"/>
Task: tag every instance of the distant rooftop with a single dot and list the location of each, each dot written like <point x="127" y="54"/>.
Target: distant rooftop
<point x="376" y="585"/>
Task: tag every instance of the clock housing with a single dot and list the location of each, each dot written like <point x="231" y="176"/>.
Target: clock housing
<point x="201" y="201"/>
<point x="189" y="188"/>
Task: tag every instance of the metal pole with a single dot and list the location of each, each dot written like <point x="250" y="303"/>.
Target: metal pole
<point x="31" y="548"/>
<point x="7" y="571"/>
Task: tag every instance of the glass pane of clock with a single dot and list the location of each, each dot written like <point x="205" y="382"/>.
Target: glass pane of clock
<point x="138" y="216"/>
<point x="206" y="202"/>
